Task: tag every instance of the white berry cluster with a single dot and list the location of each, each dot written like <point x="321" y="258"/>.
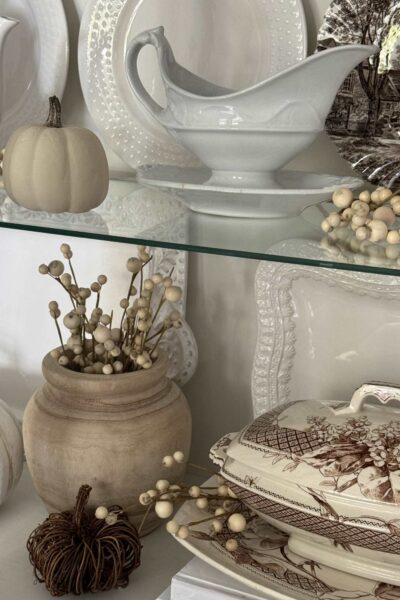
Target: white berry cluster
<point x="342" y="244"/>
<point x="104" y="343"/>
<point x="371" y="216"/>
<point x="103" y="514"/>
<point x="220" y="502"/>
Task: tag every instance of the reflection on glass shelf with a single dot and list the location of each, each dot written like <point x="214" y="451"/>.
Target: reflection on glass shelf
<point x="134" y="214"/>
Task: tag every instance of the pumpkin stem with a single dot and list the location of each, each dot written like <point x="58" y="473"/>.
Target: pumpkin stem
<point x="81" y="501"/>
<point x="54" y="118"/>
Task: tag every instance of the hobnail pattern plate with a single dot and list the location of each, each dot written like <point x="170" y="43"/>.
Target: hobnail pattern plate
<point x="275" y="34"/>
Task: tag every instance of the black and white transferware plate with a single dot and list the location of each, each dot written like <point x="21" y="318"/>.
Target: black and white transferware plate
<point x="364" y="121"/>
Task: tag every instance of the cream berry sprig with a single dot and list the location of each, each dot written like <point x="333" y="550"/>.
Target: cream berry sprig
<point x="95" y="344"/>
<point x="371" y="216"/>
<point x="343" y="244"/>
<point x="224" y="509"/>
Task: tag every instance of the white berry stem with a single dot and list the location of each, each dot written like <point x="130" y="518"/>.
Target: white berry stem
<point x="146" y="514"/>
<point x="154" y="348"/>
<point x="193" y="466"/>
<point x="59" y="334"/>
<point x="66" y="289"/>
<point x="72" y="272"/>
<point x="162" y="302"/>
<point x="128" y="297"/>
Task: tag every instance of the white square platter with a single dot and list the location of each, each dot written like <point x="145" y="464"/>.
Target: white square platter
<point x="322" y="332"/>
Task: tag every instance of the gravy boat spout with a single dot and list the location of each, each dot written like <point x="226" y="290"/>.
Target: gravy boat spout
<point x="272" y="120"/>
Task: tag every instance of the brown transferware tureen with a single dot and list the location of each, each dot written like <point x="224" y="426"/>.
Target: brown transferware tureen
<point x="329" y="475"/>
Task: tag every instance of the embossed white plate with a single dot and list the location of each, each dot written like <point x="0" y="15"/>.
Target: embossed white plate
<point x="293" y="191"/>
<point x="264" y="563"/>
<point x="321" y="332"/>
<point x="233" y="44"/>
<point x="35" y="62"/>
<point x="179" y="344"/>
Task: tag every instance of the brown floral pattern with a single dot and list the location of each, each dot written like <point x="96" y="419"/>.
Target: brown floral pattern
<point x="355" y="453"/>
<point x="263" y="549"/>
<point x="301" y="574"/>
<point x="352" y="453"/>
<point x="263" y="558"/>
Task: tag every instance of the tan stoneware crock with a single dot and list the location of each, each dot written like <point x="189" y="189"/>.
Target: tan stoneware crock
<point x="110" y="432"/>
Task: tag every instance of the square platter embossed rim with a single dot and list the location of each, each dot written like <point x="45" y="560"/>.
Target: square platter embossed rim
<point x="329" y="475"/>
<point x="299" y="353"/>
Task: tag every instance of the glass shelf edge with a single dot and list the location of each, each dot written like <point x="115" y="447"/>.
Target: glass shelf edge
<point x="243" y="254"/>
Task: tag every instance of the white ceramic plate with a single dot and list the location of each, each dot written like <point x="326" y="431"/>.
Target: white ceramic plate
<point x="233" y="44"/>
<point x="264" y="563"/>
<point x="35" y="62"/>
<point x="294" y="191"/>
<point x="321" y="332"/>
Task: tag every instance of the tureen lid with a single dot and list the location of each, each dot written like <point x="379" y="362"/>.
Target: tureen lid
<point x="352" y="450"/>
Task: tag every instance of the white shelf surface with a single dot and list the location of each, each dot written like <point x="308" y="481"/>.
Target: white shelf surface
<point x="200" y="581"/>
<point x="162" y="556"/>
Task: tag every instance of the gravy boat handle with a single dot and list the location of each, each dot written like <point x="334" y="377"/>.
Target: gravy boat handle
<point x="146" y="38"/>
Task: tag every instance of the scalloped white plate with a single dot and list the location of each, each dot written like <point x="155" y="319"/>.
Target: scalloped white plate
<point x="234" y="44"/>
<point x="35" y="62"/>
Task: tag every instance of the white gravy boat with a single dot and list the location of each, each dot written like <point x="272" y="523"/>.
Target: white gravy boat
<point x="244" y="136"/>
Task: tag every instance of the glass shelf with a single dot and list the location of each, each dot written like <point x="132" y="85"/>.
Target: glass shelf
<point x="137" y="215"/>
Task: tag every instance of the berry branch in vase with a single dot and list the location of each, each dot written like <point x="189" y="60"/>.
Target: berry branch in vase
<point x="94" y="345"/>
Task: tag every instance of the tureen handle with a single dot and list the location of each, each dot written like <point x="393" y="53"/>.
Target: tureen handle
<point x="218" y="453"/>
<point x="382" y="391"/>
<point x="153" y="37"/>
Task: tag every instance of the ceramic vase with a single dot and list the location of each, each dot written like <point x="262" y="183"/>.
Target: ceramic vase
<point x="110" y="432"/>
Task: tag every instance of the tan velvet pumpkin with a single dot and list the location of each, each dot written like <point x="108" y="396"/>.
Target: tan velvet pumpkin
<point x="54" y="168"/>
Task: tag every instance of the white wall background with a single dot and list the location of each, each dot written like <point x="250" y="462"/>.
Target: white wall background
<point x="220" y="308"/>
